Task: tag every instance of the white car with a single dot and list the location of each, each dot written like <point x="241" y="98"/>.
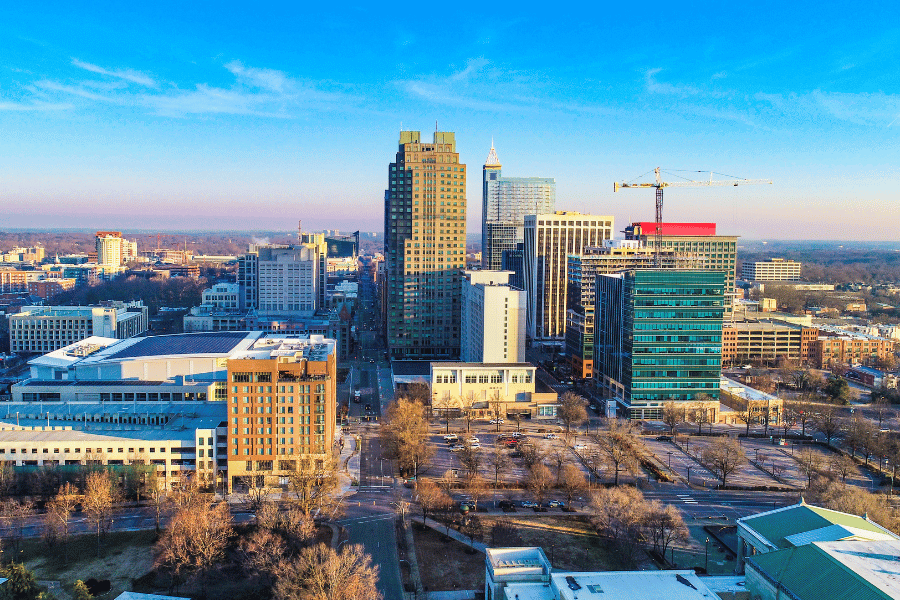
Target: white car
<point x="473" y="440"/>
<point x="580" y="446"/>
<point x="456" y="448"/>
<point x="551" y="436"/>
<point x="496" y="421"/>
<point x="475" y="446"/>
<point x="451" y="437"/>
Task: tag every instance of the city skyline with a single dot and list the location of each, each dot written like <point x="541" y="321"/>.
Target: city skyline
<point x="168" y="124"/>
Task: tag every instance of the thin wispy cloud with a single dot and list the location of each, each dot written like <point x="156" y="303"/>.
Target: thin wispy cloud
<point x="6" y="105"/>
<point x="256" y="91"/>
<point x="126" y="74"/>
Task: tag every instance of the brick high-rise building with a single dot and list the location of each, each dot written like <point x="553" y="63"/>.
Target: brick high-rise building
<point x="425" y="247"/>
<point x="281" y="406"/>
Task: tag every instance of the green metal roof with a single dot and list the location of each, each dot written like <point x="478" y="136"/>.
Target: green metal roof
<point x="811" y="574"/>
<point x="776" y="525"/>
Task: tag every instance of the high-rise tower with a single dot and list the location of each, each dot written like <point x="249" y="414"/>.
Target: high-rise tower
<point x="425" y="247"/>
<point x="505" y="202"/>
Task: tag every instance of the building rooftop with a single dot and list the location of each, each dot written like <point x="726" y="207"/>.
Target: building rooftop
<point x="615" y="585"/>
<point x="220" y="342"/>
<point x="836" y="570"/>
<point x="802" y="523"/>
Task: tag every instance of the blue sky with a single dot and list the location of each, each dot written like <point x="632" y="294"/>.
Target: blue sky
<point x="188" y="115"/>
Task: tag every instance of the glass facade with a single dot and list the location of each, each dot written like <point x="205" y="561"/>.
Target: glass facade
<point x="659" y="337"/>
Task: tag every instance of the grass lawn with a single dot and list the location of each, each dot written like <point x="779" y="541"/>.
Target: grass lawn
<point x="126" y="556"/>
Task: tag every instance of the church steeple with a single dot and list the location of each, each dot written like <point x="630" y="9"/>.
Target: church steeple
<point x="492" y="160"/>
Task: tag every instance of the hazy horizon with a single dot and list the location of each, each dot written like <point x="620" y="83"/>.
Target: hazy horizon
<point x="139" y="118"/>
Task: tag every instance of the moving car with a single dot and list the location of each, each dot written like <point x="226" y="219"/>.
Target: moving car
<point x="556" y="503"/>
<point x="529" y="504"/>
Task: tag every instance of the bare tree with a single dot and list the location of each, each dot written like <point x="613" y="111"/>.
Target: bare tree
<point x="477" y="488"/>
<point x="539" y="482"/>
<point x="803" y="410"/>
<point x="788" y="420"/>
<point x="15" y="515"/>
<point x="810" y="463"/>
<point x="101" y="495"/>
<point x="499" y="461"/>
<point x="619" y="516"/>
<point x="320" y="573"/>
<point x="700" y="414"/>
<point x="619" y="448"/>
<point x="59" y="510"/>
<point x="313" y="482"/>
<point x="724" y="457"/>
<point x="558" y="456"/>
<point x="748" y="413"/>
<point x="572" y="482"/>
<point x="571" y="411"/>
<point x="664" y="525"/>
<point x="158" y="496"/>
<point x="431" y="497"/>
<point x="468" y="412"/>
<point x="404" y="432"/>
<point x="261" y="553"/>
<point x="471" y="460"/>
<point x="195" y="539"/>
<point x="673" y="415"/>
<point x="828" y="421"/>
<point x="496" y="407"/>
<point x="883" y="410"/>
<point x="532" y="454"/>
<point x="443" y="405"/>
<point x="841" y="465"/>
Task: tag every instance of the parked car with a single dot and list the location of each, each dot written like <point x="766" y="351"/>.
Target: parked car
<point x="581" y="446"/>
<point x="556" y="504"/>
<point x="473" y="440"/>
<point x="455" y="448"/>
<point x="551" y="436"/>
<point x="451" y="437"/>
<point x="506" y="506"/>
<point x="511" y="443"/>
<point x="475" y="446"/>
<point x="496" y="421"/>
<point x="664" y="438"/>
<point x="529" y="504"/>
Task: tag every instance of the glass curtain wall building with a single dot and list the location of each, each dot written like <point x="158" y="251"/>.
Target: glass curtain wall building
<point x="505" y="202"/>
<point x="659" y="338"/>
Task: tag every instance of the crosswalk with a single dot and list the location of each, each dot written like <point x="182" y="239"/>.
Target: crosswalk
<point x="687" y="499"/>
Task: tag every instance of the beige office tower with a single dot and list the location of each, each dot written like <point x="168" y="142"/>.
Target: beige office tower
<point x="425" y="247"/>
<point x="549" y="239"/>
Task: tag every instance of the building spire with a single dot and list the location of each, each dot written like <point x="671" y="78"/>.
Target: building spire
<point x="492" y="160"/>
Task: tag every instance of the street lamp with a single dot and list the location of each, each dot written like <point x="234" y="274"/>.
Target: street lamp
<point x="670" y="460"/>
<point x="689" y="474"/>
<point x="707" y="556"/>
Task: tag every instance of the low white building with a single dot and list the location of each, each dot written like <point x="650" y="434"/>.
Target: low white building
<point x="458" y="386"/>
<point x="526" y="574"/>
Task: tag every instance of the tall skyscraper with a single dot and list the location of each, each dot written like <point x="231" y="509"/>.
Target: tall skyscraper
<point x="549" y="239"/>
<point x="505" y="203"/>
<point x="493" y="319"/>
<point x="425" y="247"/>
<point x="699" y="241"/>
<point x="113" y="250"/>
<point x="659" y="339"/>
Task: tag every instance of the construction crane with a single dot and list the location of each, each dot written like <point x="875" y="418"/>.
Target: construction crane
<point x="660" y="184"/>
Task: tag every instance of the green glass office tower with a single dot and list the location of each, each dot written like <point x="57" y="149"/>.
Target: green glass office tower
<point x="658" y="338"/>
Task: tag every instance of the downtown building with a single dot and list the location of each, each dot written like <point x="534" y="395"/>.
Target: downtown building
<point x="220" y="406"/>
<point x="506" y="201"/>
<point x="697" y="241"/>
<point x="581" y="279"/>
<point x="774" y="269"/>
<point x="549" y="240"/>
<point x="42" y="329"/>
<point x="659" y="339"/>
<point x="425" y="247"/>
<point x="493" y="319"/>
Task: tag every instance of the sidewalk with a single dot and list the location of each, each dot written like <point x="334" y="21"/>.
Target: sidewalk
<point x="442" y="529"/>
<point x="348" y="466"/>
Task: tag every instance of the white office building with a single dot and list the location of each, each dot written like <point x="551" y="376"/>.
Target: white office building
<point x="549" y="239"/>
<point x="41" y="329"/>
<point x="774" y="269"/>
<point x="493" y="318"/>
